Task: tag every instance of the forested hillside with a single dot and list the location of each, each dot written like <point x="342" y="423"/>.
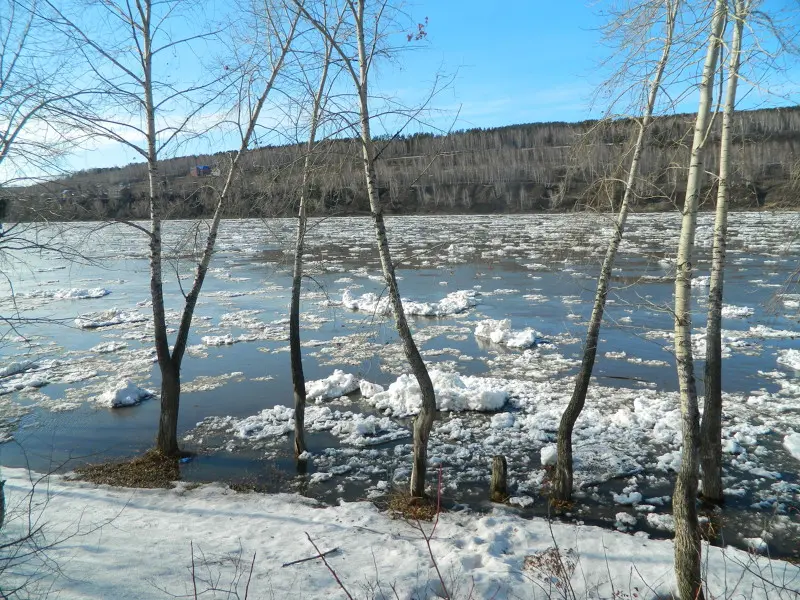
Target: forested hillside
<point x="519" y="168"/>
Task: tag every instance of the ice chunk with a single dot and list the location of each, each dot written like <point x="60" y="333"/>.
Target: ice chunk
<point x="790" y="358"/>
<point x="453" y="393"/>
<point x="736" y="312"/>
<point x="368" y="390"/>
<point x="503" y="420"/>
<point x="108" y="347"/>
<point x="792" y="443"/>
<point x="218" y="340"/>
<point x="548" y="455"/>
<point x="124" y="393"/>
<point x="337" y="384"/>
<point x="453" y="303"/>
<point x="108" y="318"/>
<point x="17" y="367"/>
<point x="500" y="332"/>
<point x="630" y="498"/>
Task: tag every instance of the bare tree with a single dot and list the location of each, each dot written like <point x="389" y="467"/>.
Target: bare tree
<point x="298" y="376"/>
<point x="687" y="530"/>
<point x="711" y="424"/>
<point x="35" y="79"/>
<point x="358" y="52"/>
<point x="127" y="68"/>
<point x="562" y="479"/>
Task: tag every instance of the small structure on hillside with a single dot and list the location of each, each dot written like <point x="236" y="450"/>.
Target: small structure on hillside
<point x="200" y="171"/>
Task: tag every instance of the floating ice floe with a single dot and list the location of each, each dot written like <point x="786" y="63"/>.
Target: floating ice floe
<point x="354" y="429"/>
<point x="453" y="393"/>
<point x="500" y="332"/>
<point x="336" y="385"/>
<point x="792" y="443"/>
<point x="736" y="312"/>
<point x="67" y="294"/>
<point x="124" y="393"/>
<point x="108" y="347"/>
<point x="452" y="304"/>
<point x="15" y="368"/>
<point x="218" y="340"/>
<point x="790" y="358"/>
<point x="108" y="318"/>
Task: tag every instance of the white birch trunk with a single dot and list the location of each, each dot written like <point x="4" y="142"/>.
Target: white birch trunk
<point x="424" y="420"/>
<point x="711" y="424"/>
<point x="687" y="531"/>
<point x="562" y="478"/>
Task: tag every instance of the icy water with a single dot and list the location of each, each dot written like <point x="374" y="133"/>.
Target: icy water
<point x="498" y="393"/>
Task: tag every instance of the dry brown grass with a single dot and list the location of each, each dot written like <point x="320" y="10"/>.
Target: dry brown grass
<point x="152" y="470"/>
<point x="401" y="505"/>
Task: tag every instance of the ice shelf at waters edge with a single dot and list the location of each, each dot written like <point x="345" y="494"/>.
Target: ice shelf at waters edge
<point x="135" y="543"/>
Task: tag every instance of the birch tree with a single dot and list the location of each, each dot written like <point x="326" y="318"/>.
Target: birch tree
<point x="358" y="52"/>
<point x="129" y="61"/>
<point x="295" y="352"/>
<point x="562" y="478"/>
<point x="684" y="501"/>
<point x="711" y="424"/>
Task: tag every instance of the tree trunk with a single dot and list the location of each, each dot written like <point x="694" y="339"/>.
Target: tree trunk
<point x="424" y="420"/>
<point x="562" y="478"/>
<point x="295" y="352"/>
<point x="167" y="440"/>
<point x="170" y="363"/>
<point x="498" y="488"/>
<point x="711" y="424"/>
<point x="687" y="530"/>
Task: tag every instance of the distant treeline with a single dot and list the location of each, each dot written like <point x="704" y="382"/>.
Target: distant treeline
<point x="519" y="168"/>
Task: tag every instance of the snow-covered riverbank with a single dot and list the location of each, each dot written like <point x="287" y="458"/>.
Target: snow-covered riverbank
<point x="135" y="544"/>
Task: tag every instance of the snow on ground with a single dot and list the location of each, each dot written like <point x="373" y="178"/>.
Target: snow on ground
<point x="452" y="304"/>
<point x="133" y="544"/>
<point x="500" y="332"/>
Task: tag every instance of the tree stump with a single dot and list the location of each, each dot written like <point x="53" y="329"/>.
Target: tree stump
<point x="498" y="490"/>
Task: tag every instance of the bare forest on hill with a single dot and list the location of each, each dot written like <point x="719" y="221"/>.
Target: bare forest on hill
<point x="520" y="168"/>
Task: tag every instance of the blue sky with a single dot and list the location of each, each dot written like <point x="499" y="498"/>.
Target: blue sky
<point x="514" y="61"/>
